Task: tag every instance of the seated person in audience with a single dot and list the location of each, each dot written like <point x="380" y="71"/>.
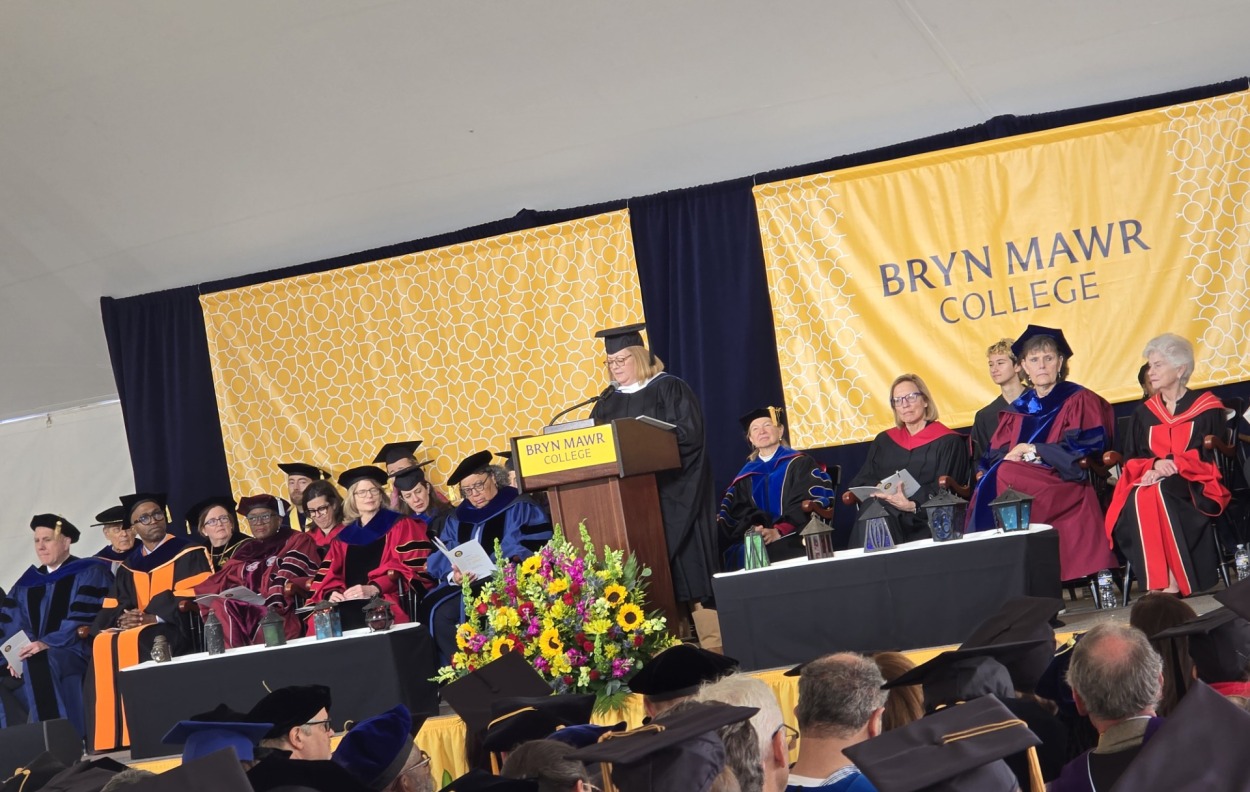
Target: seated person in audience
<point x="1116" y="679"/>
<point x="1219" y="643"/>
<point x="840" y="703"/>
<point x="676" y="674"/>
<point x="277" y="555"/>
<point x="741" y="690"/>
<point x="49" y="603"/>
<point x="398" y="457"/>
<point x="1170" y="488"/>
<point x="544" y="761"/>
<point x="1153" y="614"/>
<point x="376" y="541"/>
<point x="902" y="704"/>
<point x="766" y="497"/>
<point x="120" y="537"/>
<point x="487" y="515"/>
<point x="141" y="606"/>
<point x="213" y="519"/>
<point x="299" y="476"/>
<point x="382" y="754"/>
<point x="919" y="444"/>
<point x="1005" y="373"/>
<point x="744" y="770"/>
<point x="324" y="506"/>
<point x="300" y="715"/>
<point x="1037" y="450"/>
<point x="422" y="500"/>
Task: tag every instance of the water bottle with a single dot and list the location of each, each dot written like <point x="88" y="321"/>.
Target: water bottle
<point x="1106" y="591"/>
<point x="1241" y="560"/>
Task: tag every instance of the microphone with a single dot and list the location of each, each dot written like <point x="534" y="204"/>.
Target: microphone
<point x="591" y="400"/>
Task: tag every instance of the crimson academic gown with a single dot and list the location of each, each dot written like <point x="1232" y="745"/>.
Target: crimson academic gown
<point x="1166" y="527"/>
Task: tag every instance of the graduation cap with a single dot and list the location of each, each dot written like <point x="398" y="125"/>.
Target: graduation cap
<point x="363" y="473"/>
<point x="113" y="515"/>
<point x="679" y="750"/>
<point x="397" y="452"/>
<point x="216" y="772"/>
<point x="1021" y="619"/>
<point x="964" y="674"/>
<point x="376" y="749"/>
<point x="520" y="719"/>
<point x="1061" y="343"/>
<point x="617" y="338"/>
<point x="679" y="671"/>
<point x="35" y="774"/>
<point x="472" y="695"/>
<point x="583" y="734"/>
<point x="775" y="414"/>
<point x="263" y="501"/>
<point x="958" y="749"/>
<point x="1219" y="644"/>
<point x="482" y="781"/>
<point x="288" y="707"/>
<point x="130" y="502"/>
<point x="197" y="510"/>
<point x="201" y="738"/>
<point x="471" y="465"/>
<point x="408" y="478"/>
<point x="307" y="471"/>
<point x="1198" y="748"/>
<point x="57" y="524"/>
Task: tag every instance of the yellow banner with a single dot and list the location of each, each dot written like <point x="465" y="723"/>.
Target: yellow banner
<point x="463" y="347"/>
<point x="573" y="450"/>
<point x="1115" y="231"/>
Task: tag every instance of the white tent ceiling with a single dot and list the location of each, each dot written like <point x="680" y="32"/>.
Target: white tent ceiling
<point x="147" y="144"/>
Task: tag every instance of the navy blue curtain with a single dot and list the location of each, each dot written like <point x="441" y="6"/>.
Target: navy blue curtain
<point x="701" y="270"/>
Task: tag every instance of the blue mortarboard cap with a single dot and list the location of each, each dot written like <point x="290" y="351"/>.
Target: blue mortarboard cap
<point x="375" y="749"/>
<point x="201" y="738"/>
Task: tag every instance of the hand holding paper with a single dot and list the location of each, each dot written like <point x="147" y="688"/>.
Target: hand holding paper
<point x="468" y="557"/>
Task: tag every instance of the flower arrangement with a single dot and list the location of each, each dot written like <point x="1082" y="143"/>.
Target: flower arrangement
<point x="580" y="620"/>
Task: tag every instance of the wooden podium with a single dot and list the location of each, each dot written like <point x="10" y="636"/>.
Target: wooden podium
<point x="605" y="476"/>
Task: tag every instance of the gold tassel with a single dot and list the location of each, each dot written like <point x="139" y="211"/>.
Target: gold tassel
<point x="606" y="769"/>
<point x="1035" y="771"/>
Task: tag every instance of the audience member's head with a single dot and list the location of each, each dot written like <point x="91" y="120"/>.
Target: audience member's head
<point x="380" y="752"/>
<point x="544" y="761"/>
<point x="1152" y="614"/>
<point x="902" y="704"/>
<point x="840" y="699"/>
<point x="1115" y="674"/>
<point x="300" y="715"/>
<point x="746" y="691"/>
<point x="1019" y="620"/>
<point x="53" y="536"/>
<point x="676" y="674"/>
<point x="126" y="778"/>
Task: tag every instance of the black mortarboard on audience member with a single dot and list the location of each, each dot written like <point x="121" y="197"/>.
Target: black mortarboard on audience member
<point x="216" y="772"/>
<point x="34" y="774"/>
<point x="958" y="749"/>
<point x="679" y="671"/>
<point x="56" y="524"/>
<point x="200" y="738"/>
<point x="472" y="464"/>
<point x="193" y="513"/>
<point x="264" y="501"/>
<point x="1061" y="343"/>
<point x="288" y="707"/>
<point x="397" y="452"/>
<point x="1200" y="747"/>
<point x="1219" y="645"/>
<point x="131" y="502"/>
<point x="363" y="473"/>
<point x="520" y="719"/>
<point x="472" y="695"/>
<point x="303" y="469"/>
<point x="376" y="749"/>
<point x="617" y="338"/>
<point x="482" y="781"/>
<point x="1021" y="619"/>
<point x="775" y="414"/>
<point x="679" y="750"/>
<point x="965" y="674"/>
<point x="405" y="480"/>
<point x="113" y="515"/>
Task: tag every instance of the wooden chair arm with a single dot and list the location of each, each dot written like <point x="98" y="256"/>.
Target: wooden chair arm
<point x="810" y="506"/>
<point x="1213" y="443"/>
<point x="949" y="483"/>
<point x="849" y="499"/>
<point x="188" y="606"/>
<point x="1111" y="459"/>
<point x="83" y="633"/>
<point x="1096" y="464"/>
<point x="296" y="588"/>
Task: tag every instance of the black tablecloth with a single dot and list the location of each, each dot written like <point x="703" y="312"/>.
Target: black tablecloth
<point x="367" y="674"/>
<point x="908" y="599"/>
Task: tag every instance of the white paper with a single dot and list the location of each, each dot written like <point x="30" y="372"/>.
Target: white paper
<point x="469" y="557"/>
<point x="13" y="647"/>
<point x="241" y="593"/>
<point x="901" y="479"/>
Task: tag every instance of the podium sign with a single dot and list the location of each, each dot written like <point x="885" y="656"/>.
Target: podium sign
<point x="556" y="453"/>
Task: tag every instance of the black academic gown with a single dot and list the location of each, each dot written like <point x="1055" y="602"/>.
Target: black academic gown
<point x="984" y="424"/>
<point x="280" y="771"/>
<point x="687" y="499"/>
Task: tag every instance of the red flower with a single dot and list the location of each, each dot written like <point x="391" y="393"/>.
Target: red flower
<point x="568" y="598"/>
<point x="638" y="639"/>
<point x="588" y="646"/>
<point x="594" y="676"/>
<point x="568" y="680"/>
<point x="494" y="599"/>
<point x="581" y="637"/>
<point x="481" y="608"/>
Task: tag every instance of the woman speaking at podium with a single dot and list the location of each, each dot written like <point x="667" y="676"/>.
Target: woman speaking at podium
<point x="687" y="501"/>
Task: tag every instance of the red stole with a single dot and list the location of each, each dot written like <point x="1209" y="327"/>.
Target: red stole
<point x="934" y="430"/>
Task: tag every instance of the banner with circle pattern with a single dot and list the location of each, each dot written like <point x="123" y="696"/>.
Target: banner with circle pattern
<point x="462" y="347"/>
<point x="1115" y="231"/>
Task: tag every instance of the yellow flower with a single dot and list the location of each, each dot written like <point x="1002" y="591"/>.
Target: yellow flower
<point x="557" y="609"/>
<point x="530" y="565"/>
<point x="463" y="633"/>
<point x="629" y="616"/>
<point x="615" y="595"/>
<point x="557" y="586"/>
<point x="500" y="645"/>
<point x="598" y="626"/>
<point x="504" y="618"/>
<point x="610" y="650"/>
<point x="549" y="642"/>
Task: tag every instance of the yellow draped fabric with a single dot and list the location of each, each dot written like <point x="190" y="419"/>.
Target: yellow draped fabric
<point x="1115" y="231"/>
<point x="462" y="347"/>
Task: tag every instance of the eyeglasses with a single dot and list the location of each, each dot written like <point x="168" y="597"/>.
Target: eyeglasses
<point x="151" y="517"/>
<point x="792" y="735"/>
<point x="260" y="519"/>
<point x="319" y="510"/>
<point x="475" y="488"/>
<point x="906" y="398"/>
<point x="421" y="765"/>
<point x="618" y="361"/>
<point x="222" y="520"/>
<point x="324" y="723"/>
<point x="371" y="492"/>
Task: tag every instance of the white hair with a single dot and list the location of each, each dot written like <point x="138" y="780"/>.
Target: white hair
<point x="741" y="690"/>
<point x="1175" y="350"/>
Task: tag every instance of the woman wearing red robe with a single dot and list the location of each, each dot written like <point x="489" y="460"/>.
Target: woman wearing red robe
<point x="1170" y="488"/>
<point x="1037" y="450"/>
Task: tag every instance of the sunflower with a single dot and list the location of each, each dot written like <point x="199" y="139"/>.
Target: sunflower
<point x="500" y="645"/>
<point x="463" y="633"/>
<point x="549" y="642"/>
<point x="629" y="616"/>
<point x="614" y="594"/>
<point x="530" y="565"/>
<point x="558" y="586"/>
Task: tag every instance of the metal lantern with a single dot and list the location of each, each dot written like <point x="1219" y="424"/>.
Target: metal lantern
<point x="273" y="627"/>
<point x="214" y="635"/>
<point x="161" y="653"/>
<point x="378" y="614"/>
<point x="755" y="555"/>
<point x="946" y="512"/>
<point x="817" y="537"/>
<point x="878" y="526"/>
<point x="1011" y="511"/>
<point x="323" y="620"/>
